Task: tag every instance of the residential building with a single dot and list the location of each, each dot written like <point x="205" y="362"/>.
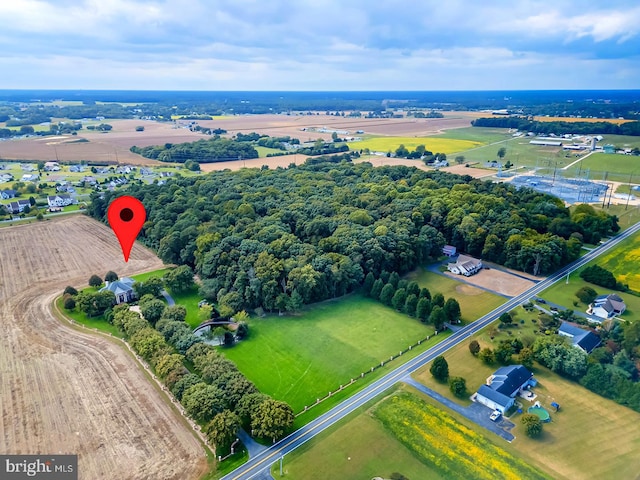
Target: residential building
<point x="51" y="167"/>
<point x="449" y="250"/>
<point x="607" y="306"/>
<point x="503" y="386"/>
<point x="580" y="338"/>
<point x="60" y="200"/>
<point x="465" y="265"/>
<point x="17" y="206"/>
<point x="30" y="177"/>
<point x="7" y="194"/>
<point x="122" y="289"/>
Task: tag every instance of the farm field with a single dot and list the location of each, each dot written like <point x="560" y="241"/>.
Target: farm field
<point x="64" y="389"/>
<point x="433" y="144"/>
<point x="567" y="444"/>
<point x="473" y="301"/>
<point x="399" y="434"/>
<point x="624" y="262"/>
<point x="301" y="358"/>
<point x="612" y="163"/>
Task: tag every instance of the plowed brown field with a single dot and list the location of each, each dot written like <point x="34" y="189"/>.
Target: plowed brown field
<point x="66" y="391"/>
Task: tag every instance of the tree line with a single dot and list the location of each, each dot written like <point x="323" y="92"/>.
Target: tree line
<point x="213" y="150"/>
<point x="271" y="239"/>
<point x="527" y="124"/>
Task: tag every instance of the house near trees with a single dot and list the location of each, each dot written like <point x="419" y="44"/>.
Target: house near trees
<point x="18" y="206"/>
<point x="449" y="250"/>
<point x="122" y="289"/>
<point x="607" y="306"/>
<point x="583" y="339"/>
<point x="60" y="200"/>
<point x="7" y="194"/>
<point x="503" y="386"/>
<point x="465" y="265"/>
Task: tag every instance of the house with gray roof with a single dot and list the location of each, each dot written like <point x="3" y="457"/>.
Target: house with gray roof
<point x="17" y="206"/>
<point x="122" y="289"/>
<point x="501" y="389"/>
<point x="607" y="306"/>
<point x="580" y="338"/>
<point x="465" y="265"/>
<point x="6" y="194"/>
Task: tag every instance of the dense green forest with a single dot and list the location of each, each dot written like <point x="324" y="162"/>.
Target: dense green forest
<point x="202" y="151"/>
<point x="280" y="238"/>
<point x="525" y="124"/>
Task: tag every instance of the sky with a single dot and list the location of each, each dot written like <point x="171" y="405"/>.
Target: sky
<point x="319" y="45"/>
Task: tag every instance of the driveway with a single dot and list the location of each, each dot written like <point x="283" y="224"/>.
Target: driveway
<point x="475" y="412"/>
<point x="591" y="318"/>
<point x="254" y="448"/>
<point x="168" y="298"/>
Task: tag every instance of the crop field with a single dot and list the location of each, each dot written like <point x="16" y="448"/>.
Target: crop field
<point x="473" y="301"/>
<point x="624" y="262"/>
<point x="568" y="442"/>
<point x="66" y="390"/>
<point x="301" y="358"/>
<point x="454" y="450"/>
<point x="404" y="433"/>
<point x="433" y="144"/>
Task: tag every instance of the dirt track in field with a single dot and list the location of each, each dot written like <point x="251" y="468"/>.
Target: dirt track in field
<point x="66" y="391"/>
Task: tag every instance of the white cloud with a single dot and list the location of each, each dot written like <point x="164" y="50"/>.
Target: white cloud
<point x="243" y="44"/>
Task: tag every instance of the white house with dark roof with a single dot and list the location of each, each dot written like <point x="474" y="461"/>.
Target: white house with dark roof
<point x="607" y="306"/>
<point x="465" y="265"/>
<point x="122" y="289"/>
<point x="501" y="389"/>
<point x="580" y="338"/>
<point x="60" y="200"/>
<point x="17" y="206"/>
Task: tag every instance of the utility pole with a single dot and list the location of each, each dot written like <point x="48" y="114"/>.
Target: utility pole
<point x="629" y="194"/>
<point x="281" y="474"/>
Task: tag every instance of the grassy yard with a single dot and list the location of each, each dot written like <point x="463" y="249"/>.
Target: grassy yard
<point x="189" y="300"/>
<point x="473" y="301"/>
<point x="263" y="151"/>
<point x="94" y="322"/>
<point x="586" y="423"/>
<point x="403" y="433"/>
<point x="301" y="358"/>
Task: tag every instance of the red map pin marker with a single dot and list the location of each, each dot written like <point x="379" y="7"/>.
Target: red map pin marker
<point x="126" y="216"/>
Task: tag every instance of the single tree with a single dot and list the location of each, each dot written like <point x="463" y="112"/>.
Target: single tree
<point x="439" y="368"/>
<point x="399" y="298"/>
<point x="70" y="290"/>
<point x="152" y="310"/>
<point x="111" y="276"/>
<point x="505" y="319"/>
<point x="69" y="303"/>
<point x="222" y="430"/>
<point x="376" y="289"/>
<point x="460" y="159"/>
<point x="452" y="310"/>
<point x="487" y="356"/>
<point x="410" y="305"/>
<point x="271" y="419"/>
<point x="503" y="353"/>
<point x="532" y="425"/>
<point x="526" y="357"/>
<point x="474" y="347"/>
<point x="437" y="318"/>
<point x="502" y="152"/>
<point x="458" y="386"/>
<point x="386" y="296"/>
<point x="394" y="278"/>
<point x="437" y="300"/>
<point x="368" y="283"/>
<point x="95" y="281"/>
<point x="423" y="310"/>
<point x="586" y="294"/>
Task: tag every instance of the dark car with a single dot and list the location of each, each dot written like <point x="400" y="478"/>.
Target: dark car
<point x="541" y="300"/>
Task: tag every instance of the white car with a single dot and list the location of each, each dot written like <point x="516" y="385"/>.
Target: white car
<point x="495" y="415"/>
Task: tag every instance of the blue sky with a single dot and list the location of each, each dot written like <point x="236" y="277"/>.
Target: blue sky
<point x="319" y="45"/>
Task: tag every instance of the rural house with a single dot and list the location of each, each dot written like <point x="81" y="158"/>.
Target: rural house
<point x="7" y="194"/>
<point x="29" y="177"/>
<point x="18" y="206"/>
<point x="51" y="167"/>
<point x="60" y="200"/>
<point x="503" y="386"/>
<point x="449" y="250"/>
<point x="583" y="339"/>
<point x="122" y="289"/>
<point x="607" y="306"/>
<point x="465" y="265"/>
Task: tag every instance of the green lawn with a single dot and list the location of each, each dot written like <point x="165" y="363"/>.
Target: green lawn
<point x="189" y="300"/>
<point x="141" y="277"/>
<point x="405" y="433"/>
<point x="301" y="358"/>
<point x="586" y="423"/>
<point x="94" y="322"/>
<point x="612" y="163"/>
<point x="477" y="134"/>
<point x="263" y="151"/>
<point x="358" y="447"/>
<point x="473" y="301"/>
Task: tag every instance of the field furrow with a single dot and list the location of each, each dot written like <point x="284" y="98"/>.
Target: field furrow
<point x="66" y="391"/>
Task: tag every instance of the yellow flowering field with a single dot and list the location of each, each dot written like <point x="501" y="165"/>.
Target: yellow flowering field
<point x="446" y="445"/>
<point x="433" y="144"/>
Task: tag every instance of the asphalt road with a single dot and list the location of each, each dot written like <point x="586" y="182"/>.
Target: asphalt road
<point x="268" y="457"/>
